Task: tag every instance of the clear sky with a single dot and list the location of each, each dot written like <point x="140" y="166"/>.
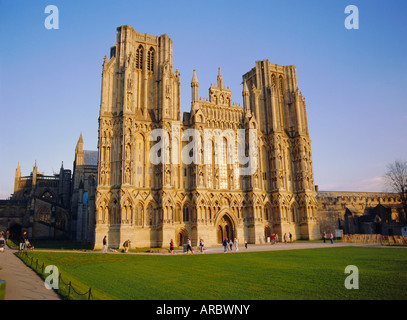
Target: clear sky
<point x="354" y="81"/>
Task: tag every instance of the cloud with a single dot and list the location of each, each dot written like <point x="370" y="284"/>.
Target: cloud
<point x="375" y="184"/>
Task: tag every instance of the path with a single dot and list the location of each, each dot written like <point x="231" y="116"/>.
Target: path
<point x="22" y="283"/>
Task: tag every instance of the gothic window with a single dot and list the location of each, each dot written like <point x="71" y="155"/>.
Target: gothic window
<point x="281" y="86"/>
<point x="139" y="57"/>
<point x="44" y="215"/>
<point x="60" y="221"/>
<point x="223" y="182"/>
<point x="47" y="195"/>
<point x="186" y="214"/>
<point x="150" y="60"/>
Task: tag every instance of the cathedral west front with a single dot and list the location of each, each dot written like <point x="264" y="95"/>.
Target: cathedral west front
<point x="201" y="190"/>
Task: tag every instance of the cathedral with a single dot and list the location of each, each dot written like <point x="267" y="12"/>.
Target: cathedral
<point x="210" y="198"/>
<point x="220" y="171"/>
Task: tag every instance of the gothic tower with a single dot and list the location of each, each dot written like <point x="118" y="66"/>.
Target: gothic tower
<point x="271" y="94"/>
<point x="140" y="92"/>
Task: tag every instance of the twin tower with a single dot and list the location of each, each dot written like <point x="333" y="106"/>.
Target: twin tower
<point x="151" y="203"/>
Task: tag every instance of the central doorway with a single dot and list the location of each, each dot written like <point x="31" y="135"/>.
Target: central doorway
<point x="225" y="229"/>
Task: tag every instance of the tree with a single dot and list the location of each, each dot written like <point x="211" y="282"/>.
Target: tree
<point x="396" y="179"/>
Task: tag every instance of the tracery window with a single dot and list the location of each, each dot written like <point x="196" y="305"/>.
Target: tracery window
<point x="44" y="215"/>
<point x="150" y="60"/>
<point x="139" y="57"/>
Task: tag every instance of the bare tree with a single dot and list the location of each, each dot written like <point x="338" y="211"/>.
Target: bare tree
<point x="396" y="179"/>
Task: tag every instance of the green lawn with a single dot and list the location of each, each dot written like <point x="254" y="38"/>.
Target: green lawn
<point x="292" y="274"/>
<point x="2" y="289"/>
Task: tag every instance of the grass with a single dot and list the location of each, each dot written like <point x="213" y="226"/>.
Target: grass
<point x="2" y="289"/>
<point x="292" y="274"/>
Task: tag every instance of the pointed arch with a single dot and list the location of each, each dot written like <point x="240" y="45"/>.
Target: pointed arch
<point x="150" y="59"/>
<point x="139" y="57"/>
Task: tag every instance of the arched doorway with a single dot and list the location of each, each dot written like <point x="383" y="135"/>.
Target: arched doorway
<point x="15" y="231"/>
<point x="181" y="237"/>
<point x="267" y="232"/>
<point x="225" y="229"/>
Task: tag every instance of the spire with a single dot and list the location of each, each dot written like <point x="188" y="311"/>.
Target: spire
<point x="79" y="156"/>
<point x="194" y="86"/>
<point x="220" y="80"/>
<point x="17" y="178"/>
<point x="79" y="145"/>
<point x="34" y="177"/>
<point x="194" y="80"/>
<point x="245" y="89"/>
<point x="246" y="96"/>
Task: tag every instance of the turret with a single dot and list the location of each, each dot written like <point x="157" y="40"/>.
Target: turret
<point x="246" y="97"/>
<point x="17" y="178"/>
<point x="34" y="179"/>
<point x="194" y="86"/>
<point x="79" y="156"/>
<point x="220" y="80"/>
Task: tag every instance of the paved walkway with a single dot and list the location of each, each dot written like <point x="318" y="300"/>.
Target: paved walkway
<point x="279" y="246"/>
<point x="21" y="282"/>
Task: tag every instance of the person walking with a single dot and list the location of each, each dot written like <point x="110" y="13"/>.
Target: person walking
<point x="22" y="241"/>
<point x="331" y="236"/>
<point x="201" y="244"/>
<point x="285" y="238"/>
<point x="189" y="247"/>
<point x="126" y="246"/>
<point x="105" y="244"/>
<point x="276" y="238"/>
<point x="225" y="246"/>
<point x="272" y="239"/>
<point x="291" y="238"/>
<point x="231" y="244"/>
<point x="236" y="245"/>
<point x="245" y="244"/>
<point x="324" y="236"/>
<point x="172" y="247"/>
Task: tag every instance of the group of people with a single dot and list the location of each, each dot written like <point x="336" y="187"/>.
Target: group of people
<point x="228" y="245"/>
<point x="331" y="237"/>
<point x="286" y="239"/>
<point x="126" y="245"/>
<point x="25" y="243"/>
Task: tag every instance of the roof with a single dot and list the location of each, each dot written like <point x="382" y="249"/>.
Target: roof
<point x="90" y="158"/>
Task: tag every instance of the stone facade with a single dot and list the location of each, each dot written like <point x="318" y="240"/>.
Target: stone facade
<point x="151" y="204"/>
<point x="84" y="180"/>
<point x="61" y="206"/>
<point x="40" y="205"/>
<point x="359" y="212"/>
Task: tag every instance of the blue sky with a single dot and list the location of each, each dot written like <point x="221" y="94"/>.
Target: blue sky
<point x="354" y="81"/>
